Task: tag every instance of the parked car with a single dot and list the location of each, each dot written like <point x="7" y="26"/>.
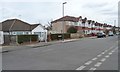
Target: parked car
<point x="101" y="35"/>
<point x="110" y="34"/>
<point x="93" y="34"/>
<point x="117" y="33"/>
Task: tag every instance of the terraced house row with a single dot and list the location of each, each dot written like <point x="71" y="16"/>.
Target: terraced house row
<point x="86" y="26"/>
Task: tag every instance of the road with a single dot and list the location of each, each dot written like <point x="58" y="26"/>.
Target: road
<point x="85" y="54"/>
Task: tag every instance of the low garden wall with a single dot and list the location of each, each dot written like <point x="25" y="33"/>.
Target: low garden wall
<point x="58" y="36"/>
<point x="76" y="35"/>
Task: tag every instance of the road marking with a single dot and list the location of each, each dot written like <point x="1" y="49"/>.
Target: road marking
<point x="99" y="55"/>
<point x="110" y="53"/>
<point x="92" y="69"/>
<point x="103" y="52"/>
<point x="111" y="48"/>
<point x="97" y="64"/>
<point x="103" y="59"/>
<point x="88" y="63"/>
<point x="81" y="68"/>
<point x="106" y="50"/>
<point x="95" y="58"/>
<point x="107" y="56"/>
<point x="116" y="48"/>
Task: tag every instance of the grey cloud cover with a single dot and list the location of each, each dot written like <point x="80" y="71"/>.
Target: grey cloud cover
<point x="45" y="10"/>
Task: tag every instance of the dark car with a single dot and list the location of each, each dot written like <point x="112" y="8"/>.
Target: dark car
<point x="101" y="35"/>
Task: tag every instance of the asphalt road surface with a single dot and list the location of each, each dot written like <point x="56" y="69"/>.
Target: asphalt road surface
<point x="85" y="54"/>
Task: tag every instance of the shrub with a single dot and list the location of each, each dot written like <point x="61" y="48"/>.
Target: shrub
<point x="72" y="30"/>
<point x="27" y="38"/>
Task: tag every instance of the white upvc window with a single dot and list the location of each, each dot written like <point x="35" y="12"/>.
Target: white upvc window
<point x="76" y="24"/>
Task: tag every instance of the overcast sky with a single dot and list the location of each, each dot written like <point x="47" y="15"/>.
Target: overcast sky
<point x="44" y="11"/>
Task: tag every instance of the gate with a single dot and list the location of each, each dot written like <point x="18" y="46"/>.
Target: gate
<point x="10" y="40"/>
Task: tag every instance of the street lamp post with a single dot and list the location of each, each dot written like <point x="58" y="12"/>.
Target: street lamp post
<point x="63" y="20"/>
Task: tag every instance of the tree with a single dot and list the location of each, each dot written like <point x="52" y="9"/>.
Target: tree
<point x="72" y="30"/>
<point x="113" y="29"/>
<point x="49" y="26"/>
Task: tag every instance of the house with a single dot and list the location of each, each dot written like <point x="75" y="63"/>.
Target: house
<point x="17" y="27"/>
<point x="61" y="25"/>
<point x="12" y="27"/>
<point x="41" y="32"/>
<point x="85" y="26"/>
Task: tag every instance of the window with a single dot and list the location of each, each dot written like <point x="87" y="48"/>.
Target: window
<point x="75" y="23"/>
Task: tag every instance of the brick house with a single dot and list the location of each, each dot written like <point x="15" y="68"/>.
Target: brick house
<point x="64" y="23"/>
<point x="82" y="25"/>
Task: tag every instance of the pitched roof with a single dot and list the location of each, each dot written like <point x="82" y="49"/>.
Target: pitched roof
<point x="67" y="18"/>
<point x="34" y="26"/>
<point x="16" y="25"/>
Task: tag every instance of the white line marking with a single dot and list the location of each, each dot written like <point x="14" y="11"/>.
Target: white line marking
<point x="81" y="67"/>
<point x="92" y="69"/>
<point x="107" y="56"/>
<point x="116" y="48"/>
<point x="106" y="50"/>
<point x="89" y="62"/>
<point x="103" y="52"/>
<point x="111" y="48"/>
<point x="98" y="64"/>
<point x="94" y="58"/>
<point x="103" y="59"/>
<point x="99" y="55"/>
<point x="110" y="53"/>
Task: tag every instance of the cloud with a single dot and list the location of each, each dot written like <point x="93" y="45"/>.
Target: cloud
<point x="95" y="5"/>
<point x="34" y="11"/>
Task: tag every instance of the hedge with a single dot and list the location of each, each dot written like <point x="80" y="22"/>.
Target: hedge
<point x="27" y="38"/>
<point x="59" y="36"/>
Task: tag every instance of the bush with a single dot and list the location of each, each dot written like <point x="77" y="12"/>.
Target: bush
<point x="72" y="30"/>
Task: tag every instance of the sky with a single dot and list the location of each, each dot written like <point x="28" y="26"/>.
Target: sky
<point x="44" y="11"/>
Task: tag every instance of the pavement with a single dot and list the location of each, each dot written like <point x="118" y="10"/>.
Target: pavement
<point x="40" y="44"/>
<point x="86" y="54"/>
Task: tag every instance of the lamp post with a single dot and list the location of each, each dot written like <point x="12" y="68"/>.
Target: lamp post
<point x="63" y="20"/>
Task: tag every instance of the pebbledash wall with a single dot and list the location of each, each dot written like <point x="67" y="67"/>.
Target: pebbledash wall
<point x="1" y="42"/>
<point x="1" y="35"/>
